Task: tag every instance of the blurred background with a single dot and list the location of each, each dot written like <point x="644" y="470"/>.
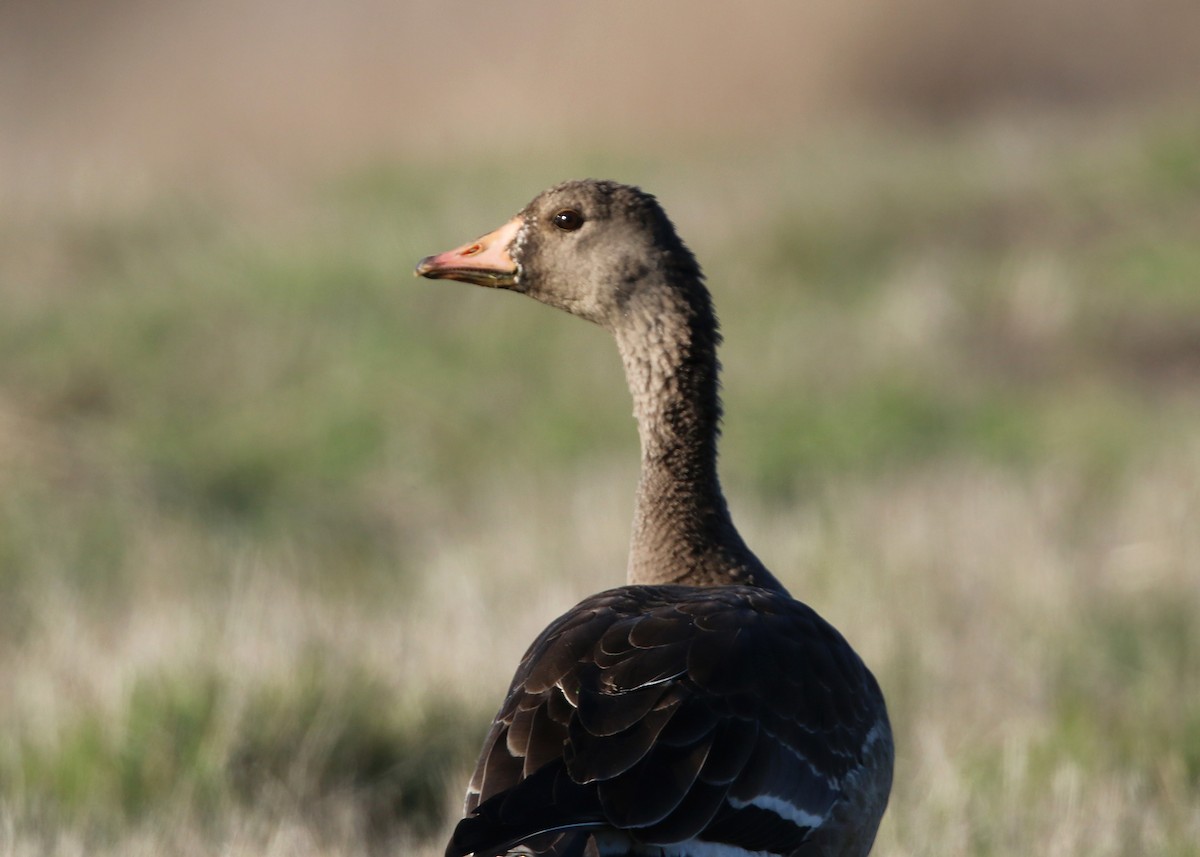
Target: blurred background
<point x="137" y="92"/>
<point x="277" y="520"/>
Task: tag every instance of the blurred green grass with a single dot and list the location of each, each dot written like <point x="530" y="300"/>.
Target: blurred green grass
<point x="206" y="390"/>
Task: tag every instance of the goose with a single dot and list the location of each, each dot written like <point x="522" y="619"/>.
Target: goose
<point x="699" y="710"/>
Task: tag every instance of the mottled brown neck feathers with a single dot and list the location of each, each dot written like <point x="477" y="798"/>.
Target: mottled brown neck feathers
<point x="682" y="530"/>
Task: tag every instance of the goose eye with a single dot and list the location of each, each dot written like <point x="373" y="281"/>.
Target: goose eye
<point x="568" y="220"/>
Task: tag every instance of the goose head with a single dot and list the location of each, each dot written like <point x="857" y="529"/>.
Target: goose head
<point x="599" y="250"/>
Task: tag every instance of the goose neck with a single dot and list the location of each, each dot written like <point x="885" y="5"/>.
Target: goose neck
<point x="682" y="529"/>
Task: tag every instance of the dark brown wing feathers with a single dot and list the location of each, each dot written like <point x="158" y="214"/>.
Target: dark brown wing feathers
<point x="673" y="712"/>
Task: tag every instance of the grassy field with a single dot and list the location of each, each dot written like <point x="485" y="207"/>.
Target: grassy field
<point x="276" y="520"/>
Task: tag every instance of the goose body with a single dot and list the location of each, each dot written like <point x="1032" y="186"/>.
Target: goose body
<point x="699" y="710"/>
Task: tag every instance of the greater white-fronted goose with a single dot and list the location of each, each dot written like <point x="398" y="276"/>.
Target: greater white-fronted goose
<point x="699" y="710"/>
